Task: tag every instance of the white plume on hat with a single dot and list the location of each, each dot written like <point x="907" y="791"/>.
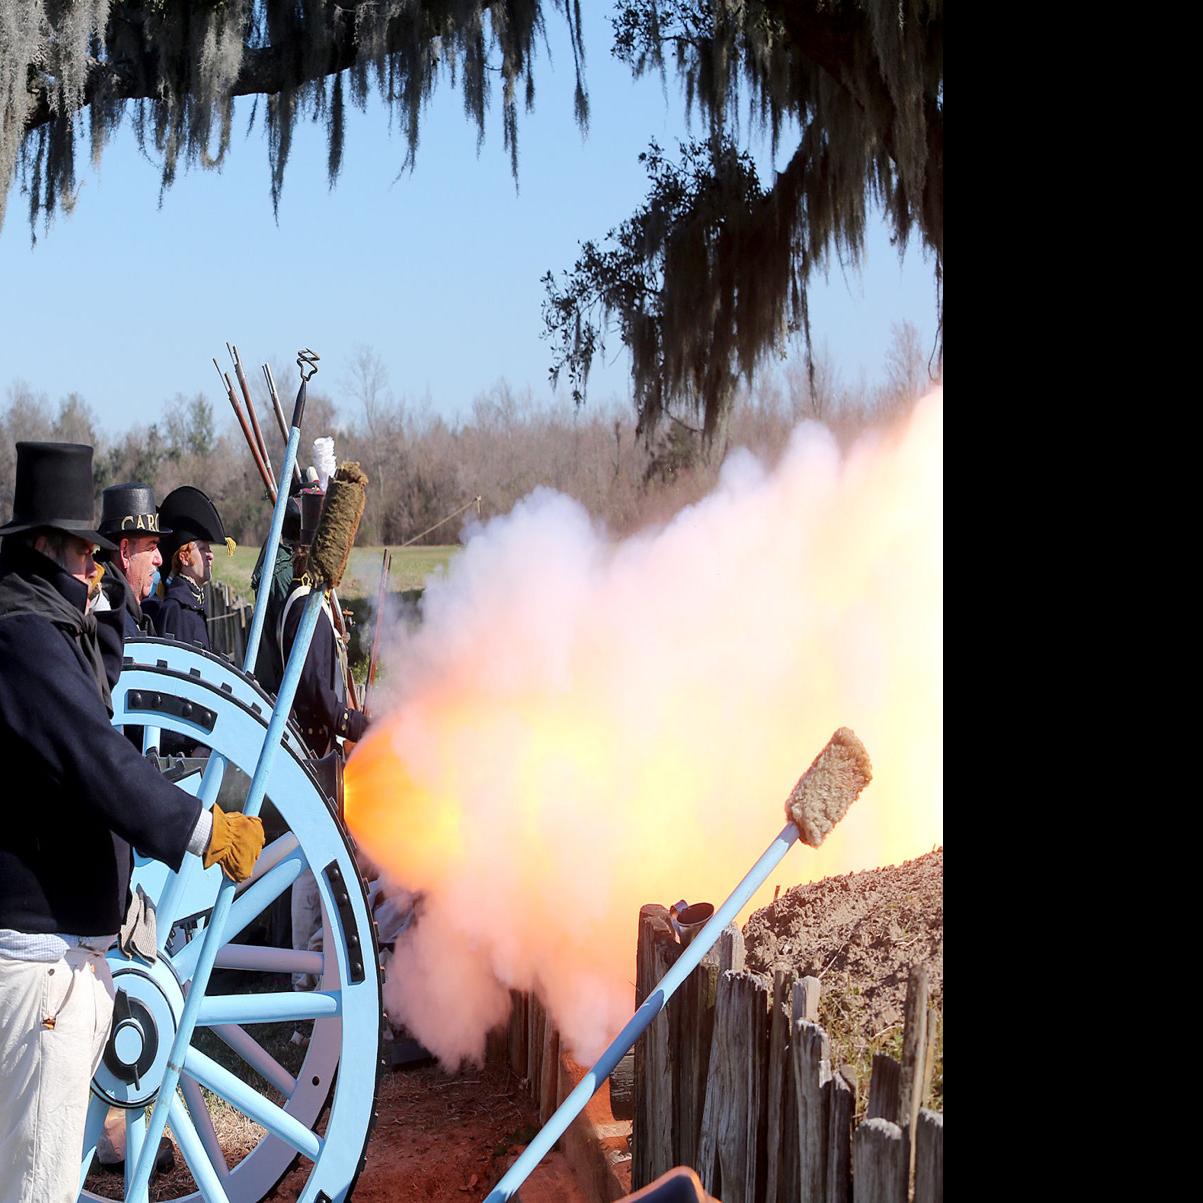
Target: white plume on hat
<point x="323" y="459"/>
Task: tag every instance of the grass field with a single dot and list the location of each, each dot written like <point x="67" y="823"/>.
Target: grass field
<point x="410" y="568"/>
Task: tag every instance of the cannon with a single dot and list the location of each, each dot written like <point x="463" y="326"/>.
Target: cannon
<point x="171" y="686"/>
<point x="174" y="1011"/>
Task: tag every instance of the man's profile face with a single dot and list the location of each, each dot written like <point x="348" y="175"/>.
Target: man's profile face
<point x="199" y="562"/>
<point x="75" y="556"/>
<point x="139" y="559"/>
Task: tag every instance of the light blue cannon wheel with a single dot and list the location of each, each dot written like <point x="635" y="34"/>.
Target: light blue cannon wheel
<point x="183" y="689"/>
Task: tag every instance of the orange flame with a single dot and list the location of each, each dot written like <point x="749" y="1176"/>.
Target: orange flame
<point x="580" y="727"/>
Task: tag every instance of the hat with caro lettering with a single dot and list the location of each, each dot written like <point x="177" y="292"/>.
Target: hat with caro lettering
<point x="53" y="489"/>
<point x="129" y="511"/>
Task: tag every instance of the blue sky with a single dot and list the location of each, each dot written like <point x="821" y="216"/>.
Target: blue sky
<point x="438" y="271"/>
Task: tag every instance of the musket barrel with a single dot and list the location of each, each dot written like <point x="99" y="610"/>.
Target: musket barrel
<point x="250" y="409"/>
<point x="268" y="483"/>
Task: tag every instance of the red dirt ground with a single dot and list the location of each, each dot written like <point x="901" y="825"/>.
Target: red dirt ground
<point x="448" y="1139"/>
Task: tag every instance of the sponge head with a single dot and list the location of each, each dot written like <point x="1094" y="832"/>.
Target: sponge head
<point x="346" y="498"/>
<point x="831" y="784"/>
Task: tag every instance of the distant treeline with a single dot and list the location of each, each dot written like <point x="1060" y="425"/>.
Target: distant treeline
<point x="423" y="467"/>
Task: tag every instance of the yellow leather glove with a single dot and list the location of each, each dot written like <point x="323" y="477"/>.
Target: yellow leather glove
<point x="234" y="843"/>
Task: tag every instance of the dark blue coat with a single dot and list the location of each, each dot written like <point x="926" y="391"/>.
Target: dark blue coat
<point x="320" y="708"/>
<point x="179" y="614"/>
<point x="85" y="794"/>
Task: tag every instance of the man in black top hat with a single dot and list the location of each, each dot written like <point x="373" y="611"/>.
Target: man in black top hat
<point x="129" y="517"/>
<point x="179" y="610"/>
<point x="65" y="855"/>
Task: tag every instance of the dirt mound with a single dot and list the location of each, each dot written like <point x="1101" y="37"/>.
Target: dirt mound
<point x="859" y="934"/>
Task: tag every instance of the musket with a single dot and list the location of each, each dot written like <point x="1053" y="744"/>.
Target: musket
<point x="386" y="562"/>
<point x="268" y="483"/>
<point x="250" y="409"/>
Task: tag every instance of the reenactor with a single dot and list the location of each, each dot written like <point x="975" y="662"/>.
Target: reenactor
<point x="129" y="517"/>
<point x="179" y="607"/>
<point x="65" y="859"/>
<point x="320" y="710"/>
<point x="268" y="668"/>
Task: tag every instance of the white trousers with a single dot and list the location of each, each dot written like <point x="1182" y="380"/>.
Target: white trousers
<point x="54" y="1021"/>
<point x="307" y="932"/>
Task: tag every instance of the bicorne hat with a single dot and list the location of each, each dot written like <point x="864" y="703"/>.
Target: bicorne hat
<point x="128" y="512"/>
<point x="53" y="488"/>
<point x="190" y="515"/>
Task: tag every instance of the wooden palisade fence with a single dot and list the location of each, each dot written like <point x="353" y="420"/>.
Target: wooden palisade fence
<point x="735" y="1079"/>
<point x="229" y="620"/>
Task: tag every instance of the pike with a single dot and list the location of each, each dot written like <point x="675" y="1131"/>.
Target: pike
<point x="268" y="483"/>
<point x="331" y="549"/>
<point x="250" y="409"/>
<point x="816" y="804"/>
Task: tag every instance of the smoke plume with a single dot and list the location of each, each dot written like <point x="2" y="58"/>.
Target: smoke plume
<point x="581" y="726"/>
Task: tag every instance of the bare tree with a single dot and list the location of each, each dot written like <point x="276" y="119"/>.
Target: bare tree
<point x="906" y="371"/>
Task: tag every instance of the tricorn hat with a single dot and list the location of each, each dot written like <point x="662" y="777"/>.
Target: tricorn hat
<point x="190" y="515"/>
<point x="53" y="488"/>
<point x="128" y="511"/>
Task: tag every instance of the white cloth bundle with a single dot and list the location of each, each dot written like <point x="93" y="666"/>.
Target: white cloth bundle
<point x="323" y="460"/>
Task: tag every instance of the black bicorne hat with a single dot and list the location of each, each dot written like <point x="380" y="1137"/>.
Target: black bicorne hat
<point x="53" y="488"/>
<point x="129" y="511"/>
<point x="190" y="515"/>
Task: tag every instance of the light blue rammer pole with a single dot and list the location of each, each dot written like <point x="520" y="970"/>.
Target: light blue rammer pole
<point x="212" y="934"/>
<point x="589" y="1085"/>
<point x="216" y="765"/>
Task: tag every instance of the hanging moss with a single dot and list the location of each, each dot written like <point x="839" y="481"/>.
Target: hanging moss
<point x="176" y="67"/>
<point x="710" y="275"/>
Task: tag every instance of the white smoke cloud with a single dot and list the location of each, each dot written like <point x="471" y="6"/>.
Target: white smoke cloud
<point x="581" y="726"/>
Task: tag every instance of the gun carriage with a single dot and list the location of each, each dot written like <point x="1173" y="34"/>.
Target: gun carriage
<point x="169" y="1009"/>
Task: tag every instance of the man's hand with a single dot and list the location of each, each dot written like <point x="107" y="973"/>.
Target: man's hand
<point x="235" y="844"/>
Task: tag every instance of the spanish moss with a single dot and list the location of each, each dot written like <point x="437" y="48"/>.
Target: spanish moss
<point x="710" y="276"/>
<point x="175" y="68"/>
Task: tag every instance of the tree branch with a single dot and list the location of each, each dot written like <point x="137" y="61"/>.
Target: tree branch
<point x="265" y="70"/>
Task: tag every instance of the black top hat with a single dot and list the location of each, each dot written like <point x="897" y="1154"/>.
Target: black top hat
<point x="312" y="501"/>
<point x="291" y="531"/>
<point x="128" y="511"/>
<point x="54" y="488"/>
<point x="190" y="515"/>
